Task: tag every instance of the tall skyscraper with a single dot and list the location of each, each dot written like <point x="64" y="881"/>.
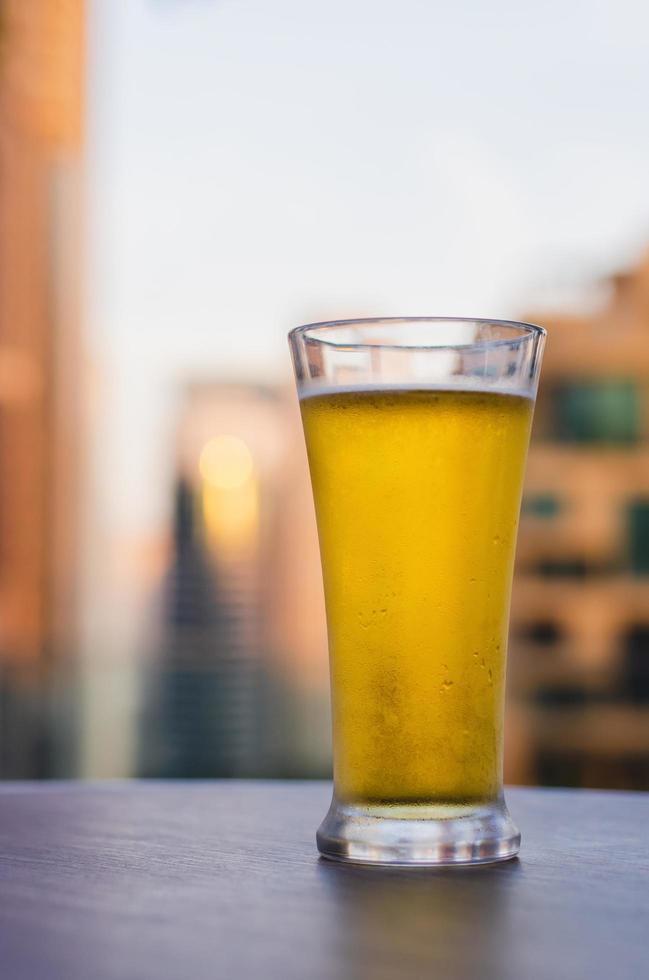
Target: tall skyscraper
<point x="41" y="53"/>
<point x="230" y="688"/>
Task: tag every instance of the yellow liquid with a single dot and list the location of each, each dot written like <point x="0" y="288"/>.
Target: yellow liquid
<point x="417" y="496"/>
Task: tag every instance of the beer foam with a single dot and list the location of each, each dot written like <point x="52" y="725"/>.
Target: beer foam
<point x="311" y="390"/>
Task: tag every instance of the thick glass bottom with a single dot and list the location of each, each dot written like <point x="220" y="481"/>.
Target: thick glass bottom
<point x="419" y="835"/>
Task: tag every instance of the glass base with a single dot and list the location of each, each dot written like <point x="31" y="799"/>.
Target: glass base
<point x="419" y="835"/>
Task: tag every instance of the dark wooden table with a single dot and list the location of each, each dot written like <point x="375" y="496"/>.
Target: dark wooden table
<point x="211" y="880"/>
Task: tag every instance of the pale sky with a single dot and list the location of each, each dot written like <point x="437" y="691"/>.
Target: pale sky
<point x="256" y="163"/>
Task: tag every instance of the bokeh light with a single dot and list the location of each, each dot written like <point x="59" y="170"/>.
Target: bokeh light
<point x="226" y="462"/>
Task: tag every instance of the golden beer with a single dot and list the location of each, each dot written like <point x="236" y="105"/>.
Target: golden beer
<point x="417" y="494"/>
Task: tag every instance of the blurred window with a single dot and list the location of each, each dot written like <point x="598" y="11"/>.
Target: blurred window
<point x="561" y="696"/>
<point x="564" y="567"/>
<point x="601" y="411"/>
<point x="636" y="663"/>
<point x="543" y="632"/>
<point x="638" y="525"/>
<point x="541" y="505"/>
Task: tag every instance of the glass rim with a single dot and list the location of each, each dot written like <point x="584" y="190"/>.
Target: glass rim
<point x="521" y="331"/>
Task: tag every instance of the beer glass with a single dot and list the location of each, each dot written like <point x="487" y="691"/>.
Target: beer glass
<point x="417" y="432"/>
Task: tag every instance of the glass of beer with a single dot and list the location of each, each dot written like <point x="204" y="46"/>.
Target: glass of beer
<point x="417" y="432"/>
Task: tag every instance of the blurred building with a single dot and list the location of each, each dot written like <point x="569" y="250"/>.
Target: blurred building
<point x="236" y="682"/>
<point x="580" y="618"/>
<point x="41" y="46"/>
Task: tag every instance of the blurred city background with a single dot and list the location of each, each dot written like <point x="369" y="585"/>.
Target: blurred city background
<point x="181" y="181"/>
